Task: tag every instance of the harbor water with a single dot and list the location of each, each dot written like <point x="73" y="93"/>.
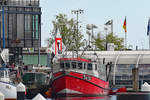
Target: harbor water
<point x="89" y="98"/>
<point x="86" y="98"/>
<point x="124" y="96"/>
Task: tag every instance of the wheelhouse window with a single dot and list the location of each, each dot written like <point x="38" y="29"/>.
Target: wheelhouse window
<point x="62" y="65"/>
<point x="67" y="65"/>
<point x="84" y="65"/>
<point x="80" y="65"/>
<point x="95" y="66"/>
<point x="89" y="67"/>
<point x="74" y="65"/>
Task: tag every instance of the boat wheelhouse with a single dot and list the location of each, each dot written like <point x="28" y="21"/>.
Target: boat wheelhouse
<point x="78" y="76"/>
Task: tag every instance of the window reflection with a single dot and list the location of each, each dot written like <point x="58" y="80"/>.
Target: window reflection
<point x="73" y="64"/>
<point x="89" y="67"/>
<point x="80" y="65"/>
<point x="67" y="65"/>
<point x="62" y="65"/>
<point x="84" y="65"/>
<point x="95" y="66"/>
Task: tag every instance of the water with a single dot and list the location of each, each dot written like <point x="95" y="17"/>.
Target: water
<point x="124" y="96"/>
<point x="87" y="98"/>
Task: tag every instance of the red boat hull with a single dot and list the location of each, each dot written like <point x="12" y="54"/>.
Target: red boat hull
<point x="76" y="84"/>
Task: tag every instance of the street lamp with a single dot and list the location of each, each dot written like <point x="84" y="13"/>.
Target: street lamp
<point x="90" y="27"/>
<point x="77" y="12"/>
<point x="105" y="28"/>
<point x="85" y="42"/>
<point x="110" y="22"/>
<point x="88" y="33"/>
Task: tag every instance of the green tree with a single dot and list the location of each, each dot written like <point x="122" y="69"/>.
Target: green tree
<point x="110" y="38"/>
<point x="71" y="37"/>
<point x="99" y="42"/>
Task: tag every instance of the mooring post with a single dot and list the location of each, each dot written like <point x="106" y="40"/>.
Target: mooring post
<point x="21" y="89"/>
<point x="38" y="97"/>
<point x="135" y="79"/>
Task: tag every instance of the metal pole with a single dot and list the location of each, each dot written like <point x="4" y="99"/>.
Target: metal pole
<point x="92" y="40"/>
<point x="77" y="42"/>
<point x="112" y="27"/>
<point x="39" y="53"/>
<point x="115" y="65"/>
<point x="3" y="27"/>
<point x="89" y="40"/>
<point x="77" y="33"/>
<point x="106" y="37"/>
<point x="39" y="41"/>
<point x="149" y="40"/>
<point x="125" y="40"/>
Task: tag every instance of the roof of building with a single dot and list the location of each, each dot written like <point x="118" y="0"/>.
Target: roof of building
<point x="119" y="57"/>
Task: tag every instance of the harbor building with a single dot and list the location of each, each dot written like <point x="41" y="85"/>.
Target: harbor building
<point x="20" y="22"/>
<point x="30" y="57"/>
<point x="123" y="62"/>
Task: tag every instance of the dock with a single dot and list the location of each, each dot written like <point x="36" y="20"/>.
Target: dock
<point x="133" y="96"/>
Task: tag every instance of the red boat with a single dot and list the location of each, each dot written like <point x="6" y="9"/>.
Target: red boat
<point x="78" y="77"/>
<point x="113" y="91"/>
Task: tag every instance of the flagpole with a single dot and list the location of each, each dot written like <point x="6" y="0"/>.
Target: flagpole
<point x="149" y="41"/>
<point x="125" y="29"/>
<point x="148" y="31"/>
<point x="125" y="40"/>
<point x="126" y="32"/>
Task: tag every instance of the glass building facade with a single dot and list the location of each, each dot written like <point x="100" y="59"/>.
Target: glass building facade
<point x="124" y="74"/>
<point x="21" y="23"/>
<point x="33" y="59"/>
<point x="20" y="26"/>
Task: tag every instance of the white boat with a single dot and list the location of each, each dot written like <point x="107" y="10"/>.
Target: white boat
<point x="6" y="86"/>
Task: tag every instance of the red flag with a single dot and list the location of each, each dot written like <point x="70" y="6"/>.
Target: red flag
<point x="124" y="25"/>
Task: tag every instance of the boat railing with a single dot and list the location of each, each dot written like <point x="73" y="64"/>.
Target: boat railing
<point x="4" y="76"/>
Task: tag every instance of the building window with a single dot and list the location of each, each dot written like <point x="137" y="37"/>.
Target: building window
<point x="37" y="31"/>
<point x="28" y="26"/>
<point x="35" y="26"/>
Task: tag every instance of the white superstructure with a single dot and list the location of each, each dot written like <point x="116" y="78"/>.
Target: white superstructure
<point x="6" y="87"/>
<point x="124" y="57"/>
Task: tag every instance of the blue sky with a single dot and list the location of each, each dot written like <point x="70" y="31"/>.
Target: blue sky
<point x="98" y="12"/>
